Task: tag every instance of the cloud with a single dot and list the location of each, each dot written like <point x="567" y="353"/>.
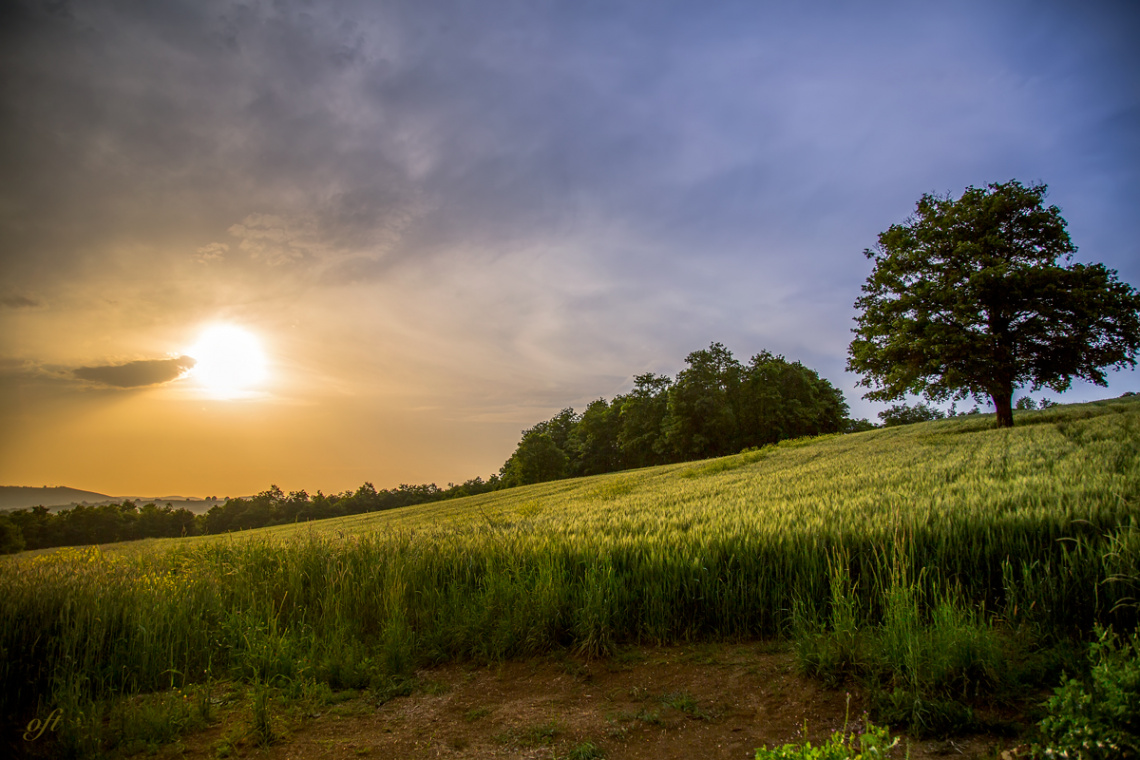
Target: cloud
<point x="211" y="252"/>
<point x="366" y="221"/>
<point x="276" y="239"/>
<point x="137" y="374"/>
<point x="19" y="302"/>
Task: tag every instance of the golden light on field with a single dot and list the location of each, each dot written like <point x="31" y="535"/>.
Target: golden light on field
<point x="230" y="362"/>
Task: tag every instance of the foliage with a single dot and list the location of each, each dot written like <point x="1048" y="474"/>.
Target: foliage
<point x="536" y="460"/>
<point x="594" y="439"/>
<point x="41" y="528"/>
<point x="642" y="414"/>
<point x="1099" y="719"/>
<point x="872" y="743"/>
<point x="703" y="421"/>
<point x="901" y="414"/>
<point x="11" y="537"/>
<point x="967" y="299"/>
<point x="715" y="406"/>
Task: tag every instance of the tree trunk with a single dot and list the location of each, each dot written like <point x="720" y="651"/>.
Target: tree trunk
<point x="1003" y="402"/>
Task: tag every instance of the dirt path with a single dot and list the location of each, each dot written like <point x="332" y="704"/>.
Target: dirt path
<point x="716" y="701"/>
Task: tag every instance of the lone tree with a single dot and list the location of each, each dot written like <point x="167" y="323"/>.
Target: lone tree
<point x="967" y="298"/>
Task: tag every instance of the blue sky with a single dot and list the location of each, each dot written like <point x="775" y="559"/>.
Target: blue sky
<point x="446" y="221"/>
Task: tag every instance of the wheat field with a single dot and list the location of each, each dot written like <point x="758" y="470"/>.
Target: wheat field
<point x="1031" y="526"/>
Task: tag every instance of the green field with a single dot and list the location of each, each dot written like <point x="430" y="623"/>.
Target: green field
<point x="1031" y="528"/>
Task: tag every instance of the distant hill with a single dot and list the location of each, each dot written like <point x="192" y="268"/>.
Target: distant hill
<point x="61" y="497"/>
<point x="22" y="497"/>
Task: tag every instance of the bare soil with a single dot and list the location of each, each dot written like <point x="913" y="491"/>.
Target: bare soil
<point x="659" y="703"/>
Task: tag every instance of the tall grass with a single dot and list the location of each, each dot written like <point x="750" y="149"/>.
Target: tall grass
<point x="1029" y="524"/>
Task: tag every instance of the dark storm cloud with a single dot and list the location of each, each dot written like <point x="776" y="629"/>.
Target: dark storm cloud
<point x="167" y="124"/>
<point x="292" y="134"/>
<point x="137" y="374"/>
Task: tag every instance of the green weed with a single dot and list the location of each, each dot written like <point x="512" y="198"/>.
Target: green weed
<point x="585" y="751"/>
<point x="1099" y="718"/>
<point x="261" y="721"/>
<point x="476" y="713"/>
<point x="531" y="736"/>
<point x="873" y="743"/>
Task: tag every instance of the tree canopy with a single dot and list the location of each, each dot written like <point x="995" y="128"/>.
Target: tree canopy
<point x="968" y="298"/>
<point x="715" y="406"/>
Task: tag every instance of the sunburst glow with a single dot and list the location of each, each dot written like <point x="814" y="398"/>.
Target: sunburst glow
<point x="231" y="362"/>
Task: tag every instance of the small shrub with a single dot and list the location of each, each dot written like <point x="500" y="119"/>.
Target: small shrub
<point x="925" y="715"/>
<point x="650" y="717"/>
<point x="476" y="713"/>
<point x="386" y="689"/>
<point x="874" y="742"/>
<point x="1100" y="719"/>
<point x="531" y="736"/>
<point x="686" y="703"/>
<point x="586" y="751"/>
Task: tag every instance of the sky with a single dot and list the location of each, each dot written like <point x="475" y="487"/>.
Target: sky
<point x="435" y="224"/>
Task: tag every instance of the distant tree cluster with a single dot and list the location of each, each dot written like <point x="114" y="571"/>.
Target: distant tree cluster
<point x="1025" y="403"/>
<point x="901" y="414"/>
<point x="714" y="407"/>
<point x="40" y="528"/>
<point x="274" y="507"/>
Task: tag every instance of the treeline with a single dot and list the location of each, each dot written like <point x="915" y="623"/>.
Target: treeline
<point x="714" y="407"/>
<point x="40" y="528"/>
<point x="273" y="507"/>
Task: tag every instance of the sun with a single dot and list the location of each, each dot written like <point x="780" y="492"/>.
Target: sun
<point x="230" y="362"/>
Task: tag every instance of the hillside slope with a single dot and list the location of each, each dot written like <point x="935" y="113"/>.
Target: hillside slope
<point x="1066" y="464"/>
<point x="23" y="497"/>
<point x="1034" y="528"/>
